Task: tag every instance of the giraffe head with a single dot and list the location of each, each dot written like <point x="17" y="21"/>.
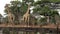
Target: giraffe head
<point x="7" y="5"/>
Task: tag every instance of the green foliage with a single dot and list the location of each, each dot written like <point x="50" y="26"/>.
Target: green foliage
<point x="15" y="9"/>
<point x="6" y="20"/>
<point x="15" y="32"/>
<point x="18" y="9"/>
<point x="6" y="31"/>
<point x="52" y="20"/>
<point x="23" y="8"/>
<point x="1" y="19"/>
<point x="28" y="1"/>
<point x="44" y="10"/>
<point x="51" y="1"/>
<point x="43" y="21"/>
<point x="55" y="0"/>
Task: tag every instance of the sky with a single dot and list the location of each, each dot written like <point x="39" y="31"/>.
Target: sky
<point x="2" y="4"/>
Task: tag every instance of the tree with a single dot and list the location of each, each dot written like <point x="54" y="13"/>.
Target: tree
<point x="1" y="19"/>
<point x="43" y="21"/>
<point x="54" y="1"/>
<point x="44" y="10"/>
<point x="18" y="9"/>
<point x="15" y="9"/>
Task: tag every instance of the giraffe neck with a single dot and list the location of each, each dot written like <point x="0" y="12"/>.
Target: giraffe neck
<point x="28" y="10"/>
<point x="8" y="10"/>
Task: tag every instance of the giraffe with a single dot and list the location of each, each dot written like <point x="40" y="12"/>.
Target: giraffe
<point x="10" y="15"/>
<point x="26" y="16"/>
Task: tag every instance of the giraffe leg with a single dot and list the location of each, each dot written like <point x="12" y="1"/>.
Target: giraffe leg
<point x="25" y="20"/>
<point x="28" y="21"/>
<point x="9" y="20"/>
<point x="12" y="20"/>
